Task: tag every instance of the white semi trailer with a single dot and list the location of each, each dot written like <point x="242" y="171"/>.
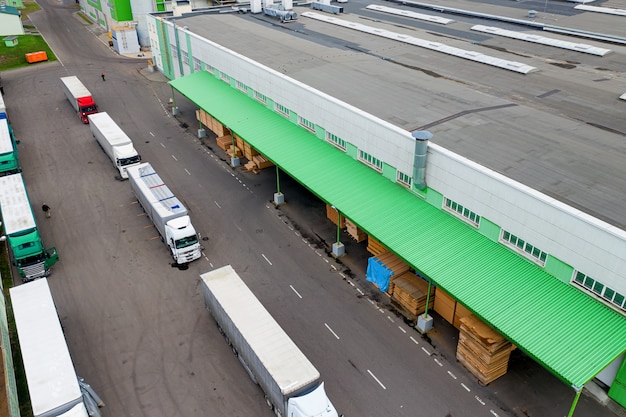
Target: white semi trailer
<point x="169" y="215"/>
<point x="50" y="375"/>
<point x="291" y="383"/>
<point x="115" y="143"/>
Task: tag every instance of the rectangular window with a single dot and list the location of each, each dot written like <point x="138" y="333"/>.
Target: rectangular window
<point x="281" y="109"/>
<point x="241" y="86"/>
<point x="368" y="159"/>
<point x="307" y="124"/>
<point x="463" y="213"/>
<point x="197" y="64"/>
<point x="224" y="77"/>
<point x="260" y="97"/>
<point x="336" y="140"/>
<point x="595" y="287"/>
<point x="521" y="246"/>
<point x="185" y="56"/>
<point x="405" y="179"/>
<point x="209" y="68"/>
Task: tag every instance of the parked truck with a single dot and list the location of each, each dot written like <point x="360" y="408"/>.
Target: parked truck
<point x="9" y="159"/>
<point x="20" y="230"/>
<point x="79" y="97"/>
<point x="169" y="215"/>
<point x="114" y="142"/>
<point x="50" y="376"/>
<point x="291" y="383"/>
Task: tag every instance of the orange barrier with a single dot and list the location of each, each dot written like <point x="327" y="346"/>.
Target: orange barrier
<point x="36" y="57"/>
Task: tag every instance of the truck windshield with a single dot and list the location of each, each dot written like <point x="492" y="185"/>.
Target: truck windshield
<point x="31" y="260"/>
<point x="89" y="109"/>
<point x="186" y="241"/>
<point x="129" y="161"/>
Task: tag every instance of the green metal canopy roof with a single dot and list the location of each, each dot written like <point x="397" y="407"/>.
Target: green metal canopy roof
<point x="568" y="332"/>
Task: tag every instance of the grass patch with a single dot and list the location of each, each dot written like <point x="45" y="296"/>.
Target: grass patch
<point x="13" y="57"/>
<point x="26" y="409"/>
<point x="29" y="7"/>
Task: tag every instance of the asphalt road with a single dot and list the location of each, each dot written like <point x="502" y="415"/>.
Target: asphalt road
<point x="136" y="327"/>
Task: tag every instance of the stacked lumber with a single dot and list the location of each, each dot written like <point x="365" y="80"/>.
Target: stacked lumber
<point x="225" y="142"/>
<point x="395" y="264"/>
<point x="356" y="233"/>
<point x="248" y="151"/>
<point x="375" y="247"/>
<point x="410" y="291"/>
<point x="233" y="151"/>
<point x="207" y="120"/>
<point x="460" y="312"/>
<point x="482" y="350"/>
<point x="240" y="142"/>
<point x="251" y="167"/>
<point x="445" y="305"/>
<point x="331" y="214"/>
<point x="261" y="162"/>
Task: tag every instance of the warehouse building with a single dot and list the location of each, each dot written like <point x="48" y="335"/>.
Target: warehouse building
<point x="544" y="271"/>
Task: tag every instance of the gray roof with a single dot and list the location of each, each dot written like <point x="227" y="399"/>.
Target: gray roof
<point x="560" y="130"/>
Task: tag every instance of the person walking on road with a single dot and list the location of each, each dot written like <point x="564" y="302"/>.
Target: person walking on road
<point x="102" y="75"/>
<point x="46" y="209"/>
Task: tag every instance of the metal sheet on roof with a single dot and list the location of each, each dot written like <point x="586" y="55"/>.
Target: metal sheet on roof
<point x="567" y="331"/>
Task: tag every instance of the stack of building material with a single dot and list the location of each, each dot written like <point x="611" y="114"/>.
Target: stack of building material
<point x="410" y="291"/>
<point x="239" y="142"/>
<point x="248" y="151"/>
<point x="261" y="162"/>
<point x="460" y="312"/>
<point x="207" y="120"/>
<point x="396" y="265"/>
<point x="331" y="214"/>
<point x="356" y="233"/>
<point x="482" y="350"/>
<point x="375" y="247"/>
<point x="445" y="305"/>
<point x="225" y="142"/>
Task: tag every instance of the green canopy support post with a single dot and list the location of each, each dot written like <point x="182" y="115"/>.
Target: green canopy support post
<point x="173" y="103"/>
<point x="339" y="248"/>
<point x="234" y="160"/>
<point x="279" y="198"/>
<point x="424" y="321"/>
<point x="579" y="390"/>
<point x="201" y="131"/>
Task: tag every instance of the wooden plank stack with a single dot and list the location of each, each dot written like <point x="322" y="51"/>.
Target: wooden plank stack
<point x="410" y="291"/>
<point x="212" y="124"/>
<point x="374" y="247"/>
<point x="225" y="142"/>
<point x="331" y="214"/>
<point x="395" y="264"/>
<point x="261" y="162"/>
<point x="482" y="350"/>
<point x="460" y="312"/>
<point x="354" y="232"/>
<point x="445" y="305"/>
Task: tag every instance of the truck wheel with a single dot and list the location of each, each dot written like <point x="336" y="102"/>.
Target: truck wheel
<point x="269" y="403"/>
<point x="234" y="351"/>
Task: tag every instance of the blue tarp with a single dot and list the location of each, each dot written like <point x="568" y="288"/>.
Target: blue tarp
<point x="378" y="273"/>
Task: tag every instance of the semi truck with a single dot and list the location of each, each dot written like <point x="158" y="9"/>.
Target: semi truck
<point x="50" y="375"/>
<point x="290" y="382"/>
<point x="3" y="108"/>
<point x="164" y="209"/>
<point x="79" y="97"/>
<point x="9" y="158"/>
<point x="114" y="142"/>
<point x="20" y="230"/>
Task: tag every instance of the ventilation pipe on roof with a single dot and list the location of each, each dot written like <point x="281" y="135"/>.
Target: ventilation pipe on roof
<point x="419" y="161"/>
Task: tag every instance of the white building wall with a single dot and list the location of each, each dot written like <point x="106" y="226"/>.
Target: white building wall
<point x="378" y="138"/>
<point x="140" y="9"/>
<point x="590" y="245"/>
<point x="10" y="25"/>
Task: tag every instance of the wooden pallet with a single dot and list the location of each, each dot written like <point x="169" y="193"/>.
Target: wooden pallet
<point x="482" y="350"/>
<point x="354" y="232"/>
<point x="375" y="247"/>
<point x="410" y="291"/>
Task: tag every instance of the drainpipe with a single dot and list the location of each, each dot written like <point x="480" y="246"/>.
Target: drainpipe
<point x="419" y="161"/>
